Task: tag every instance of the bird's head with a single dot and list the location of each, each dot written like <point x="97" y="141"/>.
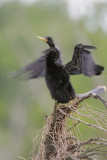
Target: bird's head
<point x="48" y="40"/>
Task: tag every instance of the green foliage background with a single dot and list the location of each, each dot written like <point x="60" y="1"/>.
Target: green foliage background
<point x="24" y="104"/>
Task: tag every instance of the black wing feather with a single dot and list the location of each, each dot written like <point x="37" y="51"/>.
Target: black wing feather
<point x="35" y="69"/>
<point x="82" y="62"/>
<point x="89" y="68"/>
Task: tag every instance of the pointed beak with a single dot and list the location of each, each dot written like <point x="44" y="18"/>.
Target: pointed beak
<point x="42" y="38"/>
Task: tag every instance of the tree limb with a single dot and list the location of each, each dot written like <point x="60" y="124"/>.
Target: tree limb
<point x="93" y="93"/>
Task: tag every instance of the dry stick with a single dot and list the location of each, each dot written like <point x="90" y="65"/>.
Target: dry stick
<point x="93" y="93"/>
<point x="87" y="152"/>
<point x="91" y="152"/>
<point x="95" y="139"/>
<point x="102" y="100"/>
<point x="73" y="126"/>
<point x="96" y="91"/>
<point x="92" y="125"/>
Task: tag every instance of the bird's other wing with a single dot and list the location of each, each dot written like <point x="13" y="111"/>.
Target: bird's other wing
<point x="35" y="69"/>
<point x="89" y="68"/>
<point x="82" y="62"/>
<point x="74" y="67"/>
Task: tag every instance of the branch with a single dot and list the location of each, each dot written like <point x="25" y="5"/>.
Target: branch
<point x="93" y="93"/>
<point x="94" y="139"/>
<point x="73" y="126"/>
<point x="96" y="91"/>
<point x="102" y="100"/>
<point x="79" y="120"/>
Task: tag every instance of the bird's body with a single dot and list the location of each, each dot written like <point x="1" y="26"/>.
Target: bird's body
<point x="57" y="79"/>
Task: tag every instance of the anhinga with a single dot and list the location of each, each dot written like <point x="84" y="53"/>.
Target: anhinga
<point x="57" y="78"/>
<point x="49" y="65"/>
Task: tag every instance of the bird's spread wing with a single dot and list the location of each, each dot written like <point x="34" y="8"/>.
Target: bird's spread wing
<point x="82" y="62"/>
<point x="74" y="66"/>
<point x="33" y="70"/>
<point x="89" y="68"/>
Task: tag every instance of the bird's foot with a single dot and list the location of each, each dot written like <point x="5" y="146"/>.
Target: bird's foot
<point x="56" y="104"/>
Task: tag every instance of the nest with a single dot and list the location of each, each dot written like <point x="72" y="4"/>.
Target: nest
<point x="58" y="140"/>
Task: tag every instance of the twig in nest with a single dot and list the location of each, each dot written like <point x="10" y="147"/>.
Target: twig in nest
<point x="95" y="139"/>
<point x="73" y="126"/>
<point x="79" y="120"/>
<point x="102" y="100"/>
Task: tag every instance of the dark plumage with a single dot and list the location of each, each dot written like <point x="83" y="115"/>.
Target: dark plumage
<point x="82" y="62"/>
<point x="57" y="78"/>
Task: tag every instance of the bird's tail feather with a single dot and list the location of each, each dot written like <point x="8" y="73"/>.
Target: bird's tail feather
<point x="98" y="69"/>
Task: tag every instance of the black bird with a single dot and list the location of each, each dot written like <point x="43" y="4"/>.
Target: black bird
<point x="57" y="78"/>
<point x="81" y="63"/>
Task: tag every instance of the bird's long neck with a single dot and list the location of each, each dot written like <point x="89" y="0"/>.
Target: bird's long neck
<point x="51" y="45"/>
